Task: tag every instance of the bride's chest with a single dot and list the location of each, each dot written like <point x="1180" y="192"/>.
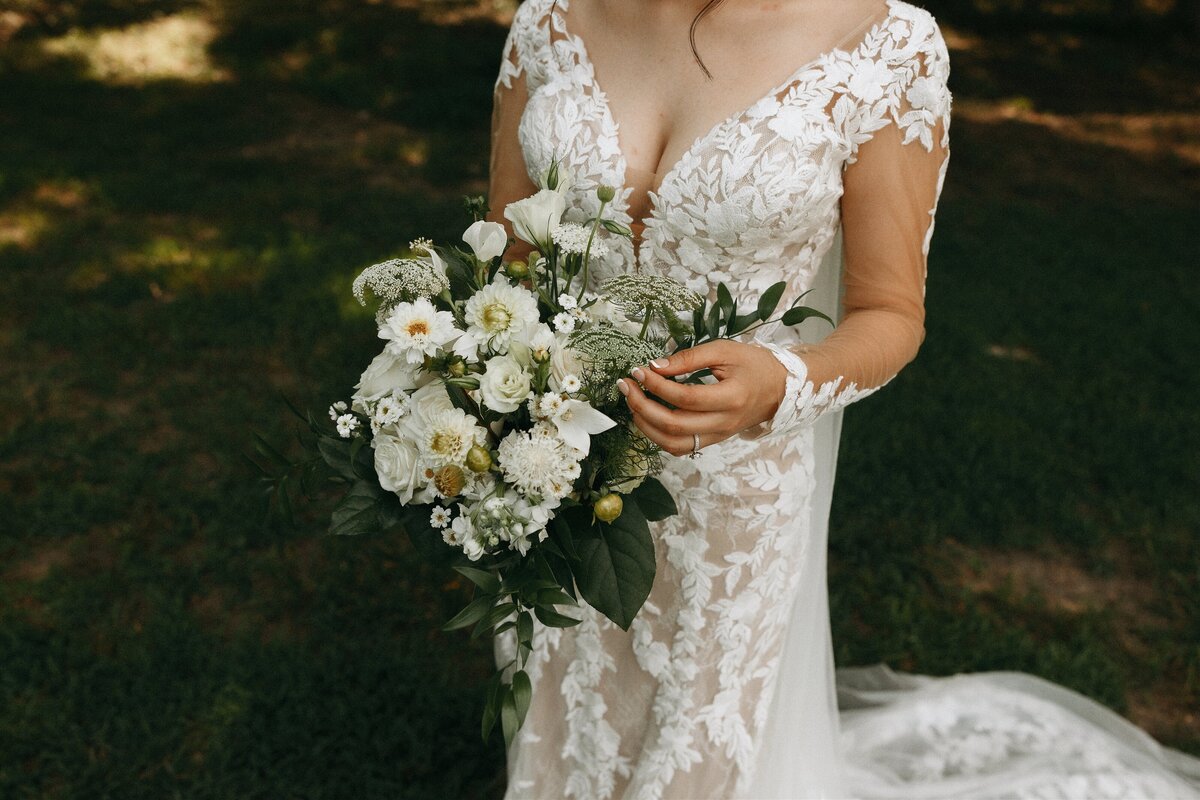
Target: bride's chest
<point x="757" y="187"/>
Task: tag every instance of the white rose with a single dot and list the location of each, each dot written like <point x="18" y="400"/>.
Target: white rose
<point x="535" y="217"/>
<point x="505" y="385"/>
<point x="487" y="239"/>
<point x="385" y="374"/>
<point x="426" y="401"/>
<point x="397" y="463"/>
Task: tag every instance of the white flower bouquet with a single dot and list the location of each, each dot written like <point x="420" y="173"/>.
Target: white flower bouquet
<point x="489" y="426"/>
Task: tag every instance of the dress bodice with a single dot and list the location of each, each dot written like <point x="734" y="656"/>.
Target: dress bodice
<point x="755" y="199"/>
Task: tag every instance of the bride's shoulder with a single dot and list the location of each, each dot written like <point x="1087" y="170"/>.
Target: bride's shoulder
<point x="911" y="29"/>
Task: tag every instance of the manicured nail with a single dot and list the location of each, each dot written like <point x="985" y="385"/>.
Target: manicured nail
<point x="659" y="363"/>
<point x="621" y="385"/>
<point x="637" y="374"/>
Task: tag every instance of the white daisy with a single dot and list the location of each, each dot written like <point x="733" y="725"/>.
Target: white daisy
<point x="564" y="322"/>
<point x="337" y="409"/>
<point x="567" y="302"/>
<point x="390" y="409"/>
<point x="439" y="517"/>
<point x="417" y="329"/>
<point x="346" y="425"/>
<point x="570" y="383"/>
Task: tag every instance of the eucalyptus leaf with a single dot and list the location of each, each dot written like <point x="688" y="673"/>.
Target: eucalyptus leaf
<point x="522" y="691"/>
<point x="485" y="580"/>
<point x="794" y="316"/>
<point x="768" y="301"/>
<point x="553" y="619"/>
<point x="474" y="612"/>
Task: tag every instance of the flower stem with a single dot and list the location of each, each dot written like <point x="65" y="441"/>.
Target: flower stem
<point x="645" y="323"/>
<point x="587" y="251"/>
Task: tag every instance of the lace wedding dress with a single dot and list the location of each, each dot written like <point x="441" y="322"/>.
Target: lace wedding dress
<point x="724" y="686"/>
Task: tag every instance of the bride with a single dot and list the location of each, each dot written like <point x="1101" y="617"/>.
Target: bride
<point x="805" y="141"/>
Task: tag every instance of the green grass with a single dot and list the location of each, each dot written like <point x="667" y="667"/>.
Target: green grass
<point x="174" y="254"/>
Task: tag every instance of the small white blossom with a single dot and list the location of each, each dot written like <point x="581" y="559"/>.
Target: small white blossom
<point x="571" y="383"/>
<point x="572" y="237"/>
<point x="390" y="409"/>
<point x="564" y="322"/>
<point x="439" y="517"/>
<point x="549" y="406"/>
<point x="567" y="302"/>
<point x="346" y="425"/>
<point x="337" y="409"/>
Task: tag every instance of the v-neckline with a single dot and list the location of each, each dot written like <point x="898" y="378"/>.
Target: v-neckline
<point x="601" y="97"/>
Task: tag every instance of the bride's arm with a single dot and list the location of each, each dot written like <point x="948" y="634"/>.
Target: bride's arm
<point x="508" y="179"/>
<point x="892" y="183"/>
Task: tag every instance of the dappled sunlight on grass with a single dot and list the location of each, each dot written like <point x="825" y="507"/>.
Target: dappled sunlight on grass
<point x="171" y="47"/>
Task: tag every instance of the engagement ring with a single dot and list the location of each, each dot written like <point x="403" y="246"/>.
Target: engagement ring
<point x="695" y="446"/>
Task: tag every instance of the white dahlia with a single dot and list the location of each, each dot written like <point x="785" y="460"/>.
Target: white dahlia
<point x="417" y="329"/>
<point x="447" y="435"/>
<point x="497" y="312"/>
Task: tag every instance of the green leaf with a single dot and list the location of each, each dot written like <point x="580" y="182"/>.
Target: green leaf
<point x="524" y="627"/>
<point x="731" y="318"/>
<point x="487" y="581"/>
<point x="616" y="567"/>
<point x="491" y="706"/>
<point x="357" y="512"/>
<point x="769" y="300"/>
<point x="509" y="720"/>
<point x="741" y="322"/>
<point x="654" y="500"/>
<point x="561" y="534"/>
<point x="492" y="617"/>
<point x="554" y="597"/>
<point x="522" y="691"/>
<point x="724" y="300"/>
<point x="551" y="618"/>
<point x="266" y="450"/>
<point x="474" y="611"/>
<point x="794" y="316"/>
<point x="336" y="453"/>
<point x="713" y="325"/>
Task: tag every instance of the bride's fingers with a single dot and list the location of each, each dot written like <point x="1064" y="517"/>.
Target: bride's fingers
<point x="672" y="422"/>
<point x="695" y="397"/>
<point x="709" y="354"/>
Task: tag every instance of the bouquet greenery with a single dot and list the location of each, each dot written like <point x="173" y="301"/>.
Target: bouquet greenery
<point x="490" y="429"/>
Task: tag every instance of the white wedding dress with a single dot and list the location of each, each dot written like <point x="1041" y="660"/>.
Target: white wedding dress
<point x="724" y="686"/>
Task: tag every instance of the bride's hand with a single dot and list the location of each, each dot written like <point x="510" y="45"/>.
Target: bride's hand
<point x="750" y="385"/>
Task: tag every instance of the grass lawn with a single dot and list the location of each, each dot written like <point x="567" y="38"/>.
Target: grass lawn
<point x="186" y="191"/>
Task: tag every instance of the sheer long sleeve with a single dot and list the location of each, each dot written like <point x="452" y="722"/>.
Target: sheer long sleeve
<point x="891" y="184"/>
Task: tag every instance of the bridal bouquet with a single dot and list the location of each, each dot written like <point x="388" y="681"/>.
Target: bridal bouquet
<point x="490" y="427"/>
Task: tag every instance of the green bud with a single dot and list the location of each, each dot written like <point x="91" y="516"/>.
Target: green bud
<point x="606" y="193"/>
<point x="457" y="367"/>
<point x="517" y="269"/>
<point x="479" y="459"/>
<point x="608" y="507"/>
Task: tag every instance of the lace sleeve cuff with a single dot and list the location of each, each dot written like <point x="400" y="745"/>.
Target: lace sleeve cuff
<point x="803" y="402"/>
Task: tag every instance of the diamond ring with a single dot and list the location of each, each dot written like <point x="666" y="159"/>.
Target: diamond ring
<point x="695" y="446"/>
